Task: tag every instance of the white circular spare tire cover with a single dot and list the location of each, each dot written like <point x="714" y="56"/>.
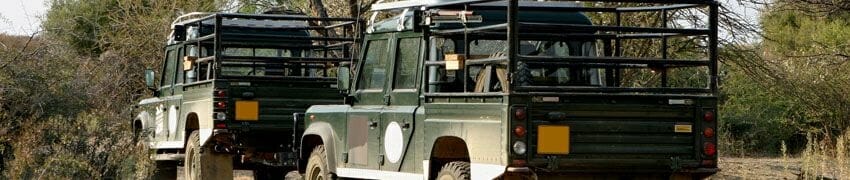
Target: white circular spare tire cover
<point x="393" y="142"/>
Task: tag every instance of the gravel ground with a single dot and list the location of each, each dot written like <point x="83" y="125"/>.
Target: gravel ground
<point x="732" y="168"/>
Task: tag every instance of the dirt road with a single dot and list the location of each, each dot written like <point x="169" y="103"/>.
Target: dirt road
<point x="732" y="168"/>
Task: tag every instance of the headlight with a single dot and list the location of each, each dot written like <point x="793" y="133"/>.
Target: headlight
<point x="519" y="147"/>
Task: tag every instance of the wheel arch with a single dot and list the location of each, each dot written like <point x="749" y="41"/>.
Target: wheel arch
<point x="446" y="149"/>
<point x="191" y="125"/>
<point x="318" y="133"/>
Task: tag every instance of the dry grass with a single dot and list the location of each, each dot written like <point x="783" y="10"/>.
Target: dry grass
<point x="824" y="158"/>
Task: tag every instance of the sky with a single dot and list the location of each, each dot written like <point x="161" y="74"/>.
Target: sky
<point x="23" y="17"/>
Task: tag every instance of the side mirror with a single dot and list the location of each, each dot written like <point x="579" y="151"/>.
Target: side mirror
<point x="149" y="78"/>
<point x="343" y="79"/>
<point x="179" y="33"/>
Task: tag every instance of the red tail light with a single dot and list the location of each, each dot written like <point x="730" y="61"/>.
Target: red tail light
<point x="519" y="113"/>
<point x="220" y="126"/>
<point x="520" y="131"/>
<point x="220" y="105"/>
<point x="220" y="93"/>
<point x="709" y="116"/>
<point x="709" y="149"/>
<point x="708" y="132"/>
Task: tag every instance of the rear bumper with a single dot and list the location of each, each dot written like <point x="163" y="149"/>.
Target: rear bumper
<point x="252" y="126"/>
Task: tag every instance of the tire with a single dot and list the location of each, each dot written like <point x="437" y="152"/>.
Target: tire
<point x="268" y="174"/>
<point x="317" y="165"/>
<point x="202" y="163"/>
<point x="523" y="75"/>
<point x="457" y="170"/>
<point x="165" y="170"/>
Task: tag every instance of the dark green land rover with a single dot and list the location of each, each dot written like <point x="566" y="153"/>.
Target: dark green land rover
<point x="232" y="84"/>
<point x="472" y="89"/>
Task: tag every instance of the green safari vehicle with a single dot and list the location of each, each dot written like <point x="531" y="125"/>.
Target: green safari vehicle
<point x="231" y="84"/>
<point x="505" y="89"/>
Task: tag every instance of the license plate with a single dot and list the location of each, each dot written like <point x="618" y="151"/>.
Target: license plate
<point x="553" y="139"/>
<point x="247" y="110"/>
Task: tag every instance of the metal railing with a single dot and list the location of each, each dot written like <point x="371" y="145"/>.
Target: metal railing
<point x="612" y="38"/>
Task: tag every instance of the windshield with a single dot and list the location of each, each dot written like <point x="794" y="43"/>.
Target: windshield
<point x="529" y="74"/>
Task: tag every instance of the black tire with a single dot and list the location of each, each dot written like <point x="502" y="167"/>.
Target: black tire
<point x="165" y="170"/>
<point x="201" y="163"/>
<point x="317" y="165"/>
<point x="268" y="174"/>
<point x="523" y="75"/>
<point x="457" y="170"/>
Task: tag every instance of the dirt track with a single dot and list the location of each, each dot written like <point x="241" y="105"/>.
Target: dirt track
<point x="732" y="168"/>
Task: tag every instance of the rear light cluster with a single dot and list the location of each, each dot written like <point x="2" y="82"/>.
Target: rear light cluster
<point x="519" y="131"/>
<point x="220" y="109"/>
<point x="709" y="146"/>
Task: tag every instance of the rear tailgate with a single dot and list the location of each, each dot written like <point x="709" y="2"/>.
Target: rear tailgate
<point x="630" y="133"/>
<point x="276" y="103"/>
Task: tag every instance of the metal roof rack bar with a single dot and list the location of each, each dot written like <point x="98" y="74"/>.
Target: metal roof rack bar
<point x="621" y="60"/>
<point x="287" y="37"/>
<point x="565" y="36"/>
<point x="282" y="59"/>
<point x="612" y="89"/>
<point x="284" y="17"/>
<point x="561" y="27"/>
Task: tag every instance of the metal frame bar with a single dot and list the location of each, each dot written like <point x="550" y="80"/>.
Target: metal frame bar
<point x="219" y="39"/>
<point x="612" y="37"/>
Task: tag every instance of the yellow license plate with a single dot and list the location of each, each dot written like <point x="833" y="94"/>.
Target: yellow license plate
<point x="553" y="139"/>
<point x="247" y="110"/>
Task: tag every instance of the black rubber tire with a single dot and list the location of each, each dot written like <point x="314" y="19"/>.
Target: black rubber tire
<point x="268" y="174"/>
<point x="201" y="163"/>
<point x="165" y="170"/>
<point x="456" y="170"/>
<point x="523" y="75"/>
<point x="317" y="165"/>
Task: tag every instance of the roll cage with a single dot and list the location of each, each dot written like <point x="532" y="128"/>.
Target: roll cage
<point x="609" y="39"/>
<point x="314" y="43"/>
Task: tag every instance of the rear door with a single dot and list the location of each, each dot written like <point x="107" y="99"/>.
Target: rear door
<point x="397" y="119"/>
<point x="363" y="131"/>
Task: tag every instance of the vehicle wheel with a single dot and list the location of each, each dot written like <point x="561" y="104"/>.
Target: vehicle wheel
<point x="457" y="170"/>
<point x="165" y="170"/>
<point x="202" y="163"/>
<point x="268" y="173"/>
<point x="317" y="165"/>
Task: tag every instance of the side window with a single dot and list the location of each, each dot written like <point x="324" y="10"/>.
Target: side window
<point x="179" y="69"/>
<point x="406" y="63"/>
<point x="374" y="72"/>
<point x="170" y="65"/>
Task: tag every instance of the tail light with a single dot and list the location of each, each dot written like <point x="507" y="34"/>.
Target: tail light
<point x="519" y="113"/>
<point x="220" y="125"/>
<point x="219" y="116"/>
<point x="519" y="147"/>
<point x="519" y="131"/>
<point x="709" y="116"/>
<point x="708" y="132"/>
<point x="220" y="93"/>
<point x="709" y="149"/>
<point x="220" y="105"/>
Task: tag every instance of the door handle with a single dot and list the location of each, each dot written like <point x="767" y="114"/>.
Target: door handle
<point x="373" y="124"/>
